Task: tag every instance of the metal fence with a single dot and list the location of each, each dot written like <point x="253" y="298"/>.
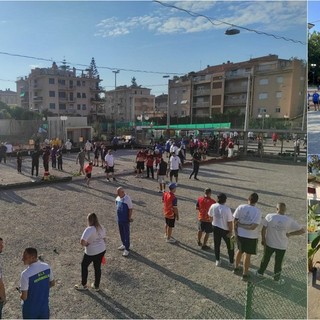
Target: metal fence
<point x="266" y="299"/>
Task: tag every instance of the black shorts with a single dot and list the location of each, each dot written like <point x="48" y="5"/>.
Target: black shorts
<point x="247" y="245"/>
<point x="174" y="173"/>
<point x="170" y="222"/>
<point x="205" y="226"/>
<point x="140" y="165"/>
<point x="315" y="102"/>
<point x="88" y="175"/>
<point x="109" y="169"/>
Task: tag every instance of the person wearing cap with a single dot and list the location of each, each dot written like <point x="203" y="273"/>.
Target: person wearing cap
<point x="222" y="222"/>
<point x="88" y="170"/>
<point x="170" y="211"/>
<point x="277" y="228"/>
<point x="204" y="222"/>
<point x="247" y="218"/>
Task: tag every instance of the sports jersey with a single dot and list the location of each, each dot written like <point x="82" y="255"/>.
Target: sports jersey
<point x="88" y="168"/>
<point x="36" y="280"/>
<point x="123" y="206"/>
<point x="95" y="237"/>
<point x="169" y="201"/>
<point x="221" y="215"/>
<point x="203" y="206"/>
<point x="174" y="162"/>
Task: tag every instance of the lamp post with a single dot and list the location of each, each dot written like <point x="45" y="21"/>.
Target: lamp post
<point x="263" y="116"/>
<point x="115" y="77"/>
<point x="168" y="103"/>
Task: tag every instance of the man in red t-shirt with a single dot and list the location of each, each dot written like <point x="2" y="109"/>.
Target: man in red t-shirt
<point x="140" y="159"/>
<point x="204" y="223"/>
<point x="170" y="211"/>
<point x="149" y="164"/>
<point x="88" y="170"/>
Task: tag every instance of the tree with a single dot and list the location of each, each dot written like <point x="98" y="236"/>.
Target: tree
<point x="134" y="82"/>
<point x="93" y="67"/>
<point x="314" y="57"/>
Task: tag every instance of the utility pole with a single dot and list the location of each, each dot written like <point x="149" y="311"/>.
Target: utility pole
<point x="115" y="78"/>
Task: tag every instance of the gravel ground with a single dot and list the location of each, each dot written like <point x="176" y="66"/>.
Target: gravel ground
<point x="157" y="280"/>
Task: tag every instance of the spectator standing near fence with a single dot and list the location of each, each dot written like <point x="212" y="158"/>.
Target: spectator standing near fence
<point x="247" y="218"/>
<point x="203" y="205"/>
<point x="277" y="228"/>
<point x="35" y="283"/>
<point x="3" y="298"/>
<point x="222" y="221"/>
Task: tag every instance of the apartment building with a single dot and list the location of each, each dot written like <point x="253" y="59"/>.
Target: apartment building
<point x="61" y="90"/>
<point x="269" y="85"/>
<point x="9" y="97"/>
<point x="161" y="103"/>
<point x="127" y="103"/>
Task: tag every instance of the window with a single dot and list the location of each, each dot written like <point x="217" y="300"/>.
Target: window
<point x="262" y="110"/>
<point x="279" y="79"/>
<point x="84" y="107"/>
<point x="278" y="109"/>
<point x="71" y="96"/>
<point x="79" y="106"/>
<point x="84" y="95"/>
<point x="51" y="80"/>
<point x="78" y="95"/>
<point x="263" y="81"/>
<point x="217" y="85"/>
<point x="278" y="94"/>
<point x="83" y="83"/>
<point x="263" y="96"/>
<point x="52" y="94"/>
<point x="62" y="106"/>
<point x="62" y="94"/>
<point x="52" y="106"/>
<point x="78" y="83"/>
<point x="71" y="83"/>
<point x="62" y="81"/>
<point x="216" y="100"/>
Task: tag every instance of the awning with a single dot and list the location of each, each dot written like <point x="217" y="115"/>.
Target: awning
<point x="184" y="102"/>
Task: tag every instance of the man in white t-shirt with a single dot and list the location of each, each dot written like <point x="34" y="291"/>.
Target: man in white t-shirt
<point x="247" y="218"/>
<point x="277" y="228"/>
<point x="109" y="163"/>
<point x="222" y="221"/>
<point x="175" y="165"/>
<point x="174" y="149"/>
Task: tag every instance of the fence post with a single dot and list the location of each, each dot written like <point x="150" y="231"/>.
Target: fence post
<point x="249" y="298"/>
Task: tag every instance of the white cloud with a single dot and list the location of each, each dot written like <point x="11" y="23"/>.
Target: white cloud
<point x="267" y="16"/>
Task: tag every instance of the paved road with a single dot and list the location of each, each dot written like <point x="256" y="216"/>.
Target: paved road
<point x="313" y="132"/>
<point x="158" y="280"/>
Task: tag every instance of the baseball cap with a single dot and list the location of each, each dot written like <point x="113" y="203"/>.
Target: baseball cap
<point x="172" y="185"/>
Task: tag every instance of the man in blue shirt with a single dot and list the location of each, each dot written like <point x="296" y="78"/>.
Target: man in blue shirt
<point x="35" y="284"/>
<point x="124" y="215"/>
<point x="315" y="99"/>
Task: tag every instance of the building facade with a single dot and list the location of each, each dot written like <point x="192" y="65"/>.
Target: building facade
<point x="270" y="87"/>
<point x="61" y="90"/>
<point x="9" y="97"/>
<point x="127" y="103"/>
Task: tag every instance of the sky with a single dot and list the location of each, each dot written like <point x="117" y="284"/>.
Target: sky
<point x="313" y="15"/>
<point x="145" y="36"/>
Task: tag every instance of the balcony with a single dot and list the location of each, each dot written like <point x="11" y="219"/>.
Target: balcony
<point x="234" y="102"/>
<point x="202" y="92"/>
<point x="235" y="89"/>
<point x="201" y="105"/>
<point x="37" y="98"/>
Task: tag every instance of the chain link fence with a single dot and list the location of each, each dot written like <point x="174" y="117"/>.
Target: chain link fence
<point x="263" y="298"/>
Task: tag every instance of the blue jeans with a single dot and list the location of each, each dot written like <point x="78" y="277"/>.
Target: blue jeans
<point x="1" y="306"/>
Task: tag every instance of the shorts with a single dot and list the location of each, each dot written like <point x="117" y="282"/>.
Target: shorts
<point x="161" y="179"/>
<point x="174" y="173"/>
<point x="247" y="245"/>
<point x="170" y="222"/>
<point x="88" y="175"/>
<point x="140" y="165"/>
<point x="315" y="102"/>
<point x="109" y="169"/>
<point x="205" y="226"/>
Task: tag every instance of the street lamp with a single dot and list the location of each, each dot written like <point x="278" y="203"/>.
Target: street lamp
<point x="115" y="77"/>
<point x="263" y="116"/>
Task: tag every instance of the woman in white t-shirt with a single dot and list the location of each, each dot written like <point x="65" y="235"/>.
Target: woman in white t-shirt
<point x="93" y="240"/>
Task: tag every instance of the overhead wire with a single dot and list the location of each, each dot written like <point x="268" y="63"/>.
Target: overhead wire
<point x="211" y="20"/>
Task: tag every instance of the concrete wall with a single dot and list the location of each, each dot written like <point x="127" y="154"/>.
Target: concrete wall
<point x="23" y="128"/>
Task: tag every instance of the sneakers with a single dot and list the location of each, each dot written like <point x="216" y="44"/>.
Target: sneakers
<point x="80" y="287"/>
<point x="125" y="253"/>
<point x="280" y="282"/>
<point x="257" y="274"/>
<point x="245" y="277"/>
<point x="94" y="288"/>
<point x="231" y="265"/>
<point x="218" y="263"/>
<point x="199" y="243"/>
<point x="122" y="247"/>
<point x="236" y="270"/>
<point x="205" y="247"/>
<point x="108" y="179"/>
<point x="171" y="240"/>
